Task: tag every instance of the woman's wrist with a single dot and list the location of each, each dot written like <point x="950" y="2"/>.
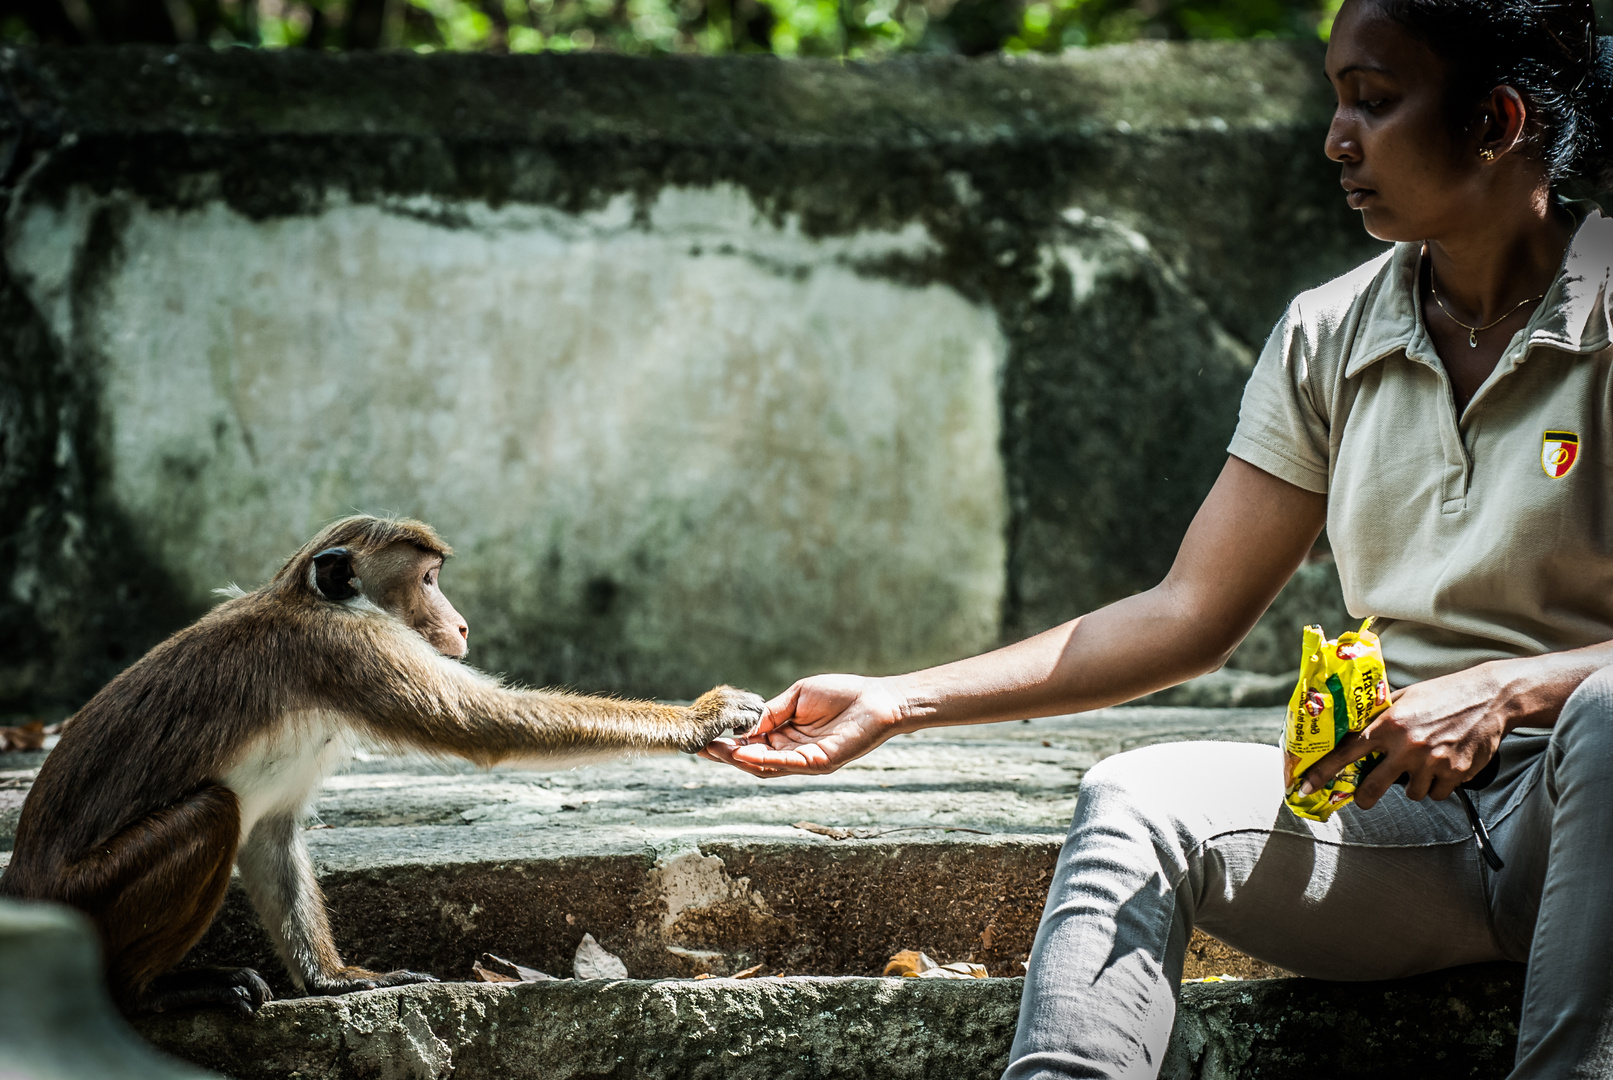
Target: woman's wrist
<point x="1530" y="691"/>
<point x="911" y="707"/>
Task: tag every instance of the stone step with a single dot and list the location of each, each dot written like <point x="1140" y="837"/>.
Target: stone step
<point x="1454" y="1024"/>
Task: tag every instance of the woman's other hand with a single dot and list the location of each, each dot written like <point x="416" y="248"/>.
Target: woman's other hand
<point x="815" y="726"/>
<point x="1437" y="733"/>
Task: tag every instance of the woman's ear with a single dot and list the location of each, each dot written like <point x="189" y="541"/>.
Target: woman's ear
<point x="1500" y="122"/>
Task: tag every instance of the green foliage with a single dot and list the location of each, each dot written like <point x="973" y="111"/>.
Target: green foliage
<point x="850" y="29"/>
<point x="1052" y="25"/>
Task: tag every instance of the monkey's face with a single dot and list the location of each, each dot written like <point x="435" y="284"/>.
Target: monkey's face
<point x="403" y="580"/>
<point x="400" y="579"/>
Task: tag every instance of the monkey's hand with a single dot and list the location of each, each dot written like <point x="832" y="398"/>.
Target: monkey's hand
<point x="349" y="980"/>
<point x="719" y="711"/>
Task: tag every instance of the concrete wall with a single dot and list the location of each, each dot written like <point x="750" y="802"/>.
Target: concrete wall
<point x="712" y="371"/>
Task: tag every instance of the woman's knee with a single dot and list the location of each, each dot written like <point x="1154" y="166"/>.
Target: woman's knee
<point x="1146" y="778"/>
<point x="1170" y="792"/>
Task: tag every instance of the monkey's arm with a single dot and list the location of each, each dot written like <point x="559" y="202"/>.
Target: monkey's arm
<point x="407" y="693"/>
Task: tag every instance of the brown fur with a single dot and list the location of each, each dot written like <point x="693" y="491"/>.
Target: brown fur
<point x="130" y="819"/>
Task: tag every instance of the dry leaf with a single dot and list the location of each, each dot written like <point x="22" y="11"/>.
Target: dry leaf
<point x="496" y="969"/>
<point x="750" y="972"/>
<point x="908" y="963"/>
<point x="986" y="935"/>
<point x="593" y="962"/>
<point x="912" y="964"/>
<point x="29" y="736"/>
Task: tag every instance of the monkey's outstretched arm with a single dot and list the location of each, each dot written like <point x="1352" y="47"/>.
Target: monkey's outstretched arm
<point x="407" y="693"/>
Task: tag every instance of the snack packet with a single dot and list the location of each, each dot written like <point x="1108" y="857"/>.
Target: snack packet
<point x="1341" y="687"/>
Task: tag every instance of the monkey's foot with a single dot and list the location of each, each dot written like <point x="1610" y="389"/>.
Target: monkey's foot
<point x="352" y="979"/>
<point x="719" y="711"/>
<point x="241" y="989"/>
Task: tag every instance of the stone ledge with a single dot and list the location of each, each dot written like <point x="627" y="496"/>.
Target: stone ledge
<point x="1460" y="1023"/>
<point x="198" y="91"/>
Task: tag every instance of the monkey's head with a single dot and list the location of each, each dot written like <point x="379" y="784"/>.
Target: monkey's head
<point x="391" y="563"/>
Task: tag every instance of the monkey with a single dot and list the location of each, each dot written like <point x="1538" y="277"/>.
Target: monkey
<point x="207" y="752"/>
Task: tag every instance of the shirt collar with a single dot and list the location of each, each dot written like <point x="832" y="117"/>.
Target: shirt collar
<point x="1574" y="317"/>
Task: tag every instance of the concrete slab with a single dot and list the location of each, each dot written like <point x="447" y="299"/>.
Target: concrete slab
<point x="1015" y="778"/>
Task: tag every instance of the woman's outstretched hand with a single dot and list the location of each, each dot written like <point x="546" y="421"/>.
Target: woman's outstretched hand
<point x="815" y="726"/>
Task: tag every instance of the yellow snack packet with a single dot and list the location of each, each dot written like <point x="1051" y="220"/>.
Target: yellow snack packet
<point x="1341" y="687"/>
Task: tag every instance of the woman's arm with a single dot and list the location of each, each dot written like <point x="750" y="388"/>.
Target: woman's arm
<point x="1243" y="545"/>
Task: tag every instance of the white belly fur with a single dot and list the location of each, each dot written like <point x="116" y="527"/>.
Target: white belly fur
<point x="281" y="772"/>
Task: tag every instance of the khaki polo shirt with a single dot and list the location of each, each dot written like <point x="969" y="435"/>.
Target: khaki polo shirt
<point x="1474" y="538"/>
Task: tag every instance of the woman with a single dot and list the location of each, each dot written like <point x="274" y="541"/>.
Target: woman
<point x="1447" y="411"/>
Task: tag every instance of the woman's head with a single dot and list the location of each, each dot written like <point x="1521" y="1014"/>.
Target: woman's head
<point x="1446" y="106"/>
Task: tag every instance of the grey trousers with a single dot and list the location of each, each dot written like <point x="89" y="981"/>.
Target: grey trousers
<point x="1184" y="835"/>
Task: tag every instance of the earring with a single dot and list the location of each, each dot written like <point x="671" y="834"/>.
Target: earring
<point x="1486" y="153"/>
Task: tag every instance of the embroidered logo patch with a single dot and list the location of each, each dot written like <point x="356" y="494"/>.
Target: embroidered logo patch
<point x="1558" y="452"/>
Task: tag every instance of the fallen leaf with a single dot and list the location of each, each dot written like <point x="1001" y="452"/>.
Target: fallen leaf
<point x="912" y="964"/>
<point x="593" y="962"/>
<point x="750" y="972"/>
<point x="496" y="969"/>
<point x="29" y="736"/>
<point x="986" y="935"/>
<point x="908" y="963"/>
<point x="705" y="975"/>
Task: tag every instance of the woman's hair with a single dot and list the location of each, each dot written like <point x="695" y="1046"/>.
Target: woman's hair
<point x="1548" y="51"/>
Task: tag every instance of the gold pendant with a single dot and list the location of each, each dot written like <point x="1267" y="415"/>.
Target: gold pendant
<point x="1472" y="339"/>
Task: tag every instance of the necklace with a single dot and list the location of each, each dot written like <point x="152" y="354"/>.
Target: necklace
<point x="1473" y="332"/>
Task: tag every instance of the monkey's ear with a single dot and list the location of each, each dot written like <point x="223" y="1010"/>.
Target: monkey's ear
<point x="333" y="573"/>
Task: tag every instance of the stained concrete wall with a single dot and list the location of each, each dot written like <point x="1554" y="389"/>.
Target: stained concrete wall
<point x="712" y="371"/>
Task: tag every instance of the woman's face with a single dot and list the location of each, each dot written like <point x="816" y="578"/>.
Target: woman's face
<point x="1403" y="167"/>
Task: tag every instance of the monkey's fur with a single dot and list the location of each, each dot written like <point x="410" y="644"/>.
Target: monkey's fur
<point x="209" y="750"/>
